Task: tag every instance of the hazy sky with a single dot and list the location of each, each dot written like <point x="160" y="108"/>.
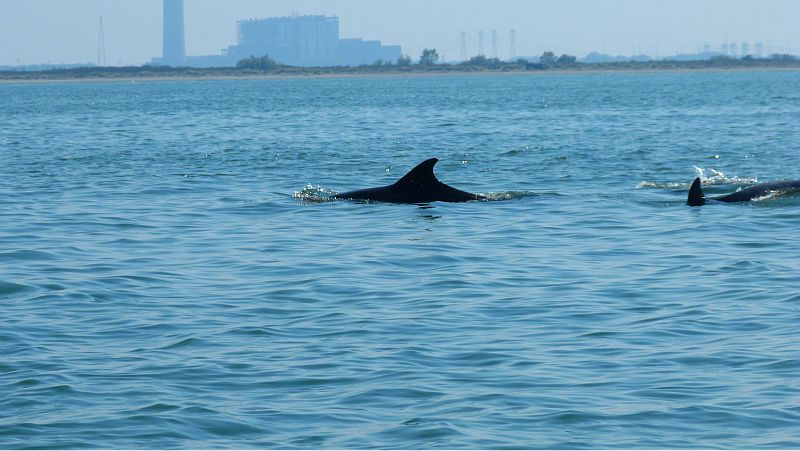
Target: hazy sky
<point x="66" y="31"/>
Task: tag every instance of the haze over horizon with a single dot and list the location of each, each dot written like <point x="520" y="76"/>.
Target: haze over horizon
<point x="58" y="32"/>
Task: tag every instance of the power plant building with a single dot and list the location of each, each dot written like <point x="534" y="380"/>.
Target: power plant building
<point x="305" y="41"/>
<point x="294" y="41"/>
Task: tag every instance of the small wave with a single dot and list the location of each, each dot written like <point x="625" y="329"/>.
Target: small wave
<point x="515" y="151"/>
<point x="508" y="195"/>
<point x="312" y="194"/>
<point x="26" y="254"/>
<point x="769" y="195"/>
<point x="708" y="176"/>
<point x="776" y="195"/>
<point x="158" y="408"/>
<point x="186" y="342"/>
<point x="11" y="288"/>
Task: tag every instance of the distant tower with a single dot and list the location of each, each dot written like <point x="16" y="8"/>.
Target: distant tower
<point x="759" y="49"/>
<point x="513" y="39"/>
<point x="734" y="50"/>
<point x="480" y="43"/>
<point x="494" y="43"/>
<point x="174" y="50"/>
<point x="745" y="48"/>
<point x="101" y="46"/>
<point x="463" y="46"/>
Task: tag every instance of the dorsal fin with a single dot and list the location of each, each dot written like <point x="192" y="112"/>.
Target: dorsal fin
<point x="421" y="175"/>
<point x="696" y="196"/>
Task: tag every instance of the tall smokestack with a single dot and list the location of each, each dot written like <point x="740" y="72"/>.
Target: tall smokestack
<point x="513" y="39"/>
<point x="463" y="46"/>
<point x="174" y="50"/>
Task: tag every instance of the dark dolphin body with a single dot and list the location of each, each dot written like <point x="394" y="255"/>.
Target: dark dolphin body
<point x="419" y="186"/>
<point x="697" y="198"/>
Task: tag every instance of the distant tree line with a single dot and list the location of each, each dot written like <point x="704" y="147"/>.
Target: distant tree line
<point x="783" y="57"/>
<point x="430" y="58"/>
<point x="429" y="61"/>
<point x="549" y="58"/>
<point x="264" y="62"/>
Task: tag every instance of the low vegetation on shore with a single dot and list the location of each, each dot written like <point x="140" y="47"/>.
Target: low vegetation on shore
<point x="428" y="63"/>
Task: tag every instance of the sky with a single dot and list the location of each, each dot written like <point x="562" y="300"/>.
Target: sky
<point x="66" y="31"/>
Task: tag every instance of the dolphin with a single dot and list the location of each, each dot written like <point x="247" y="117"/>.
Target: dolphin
<point x="697" y="198"/>
<point x="419" y="186"/>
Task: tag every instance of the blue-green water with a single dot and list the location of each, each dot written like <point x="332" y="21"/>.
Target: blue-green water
<point x="169" y="278"/>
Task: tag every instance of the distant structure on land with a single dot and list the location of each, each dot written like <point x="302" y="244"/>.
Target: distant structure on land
<point x="294" y="41"/>
<point x="174" y="47"/>
<point x="307" y="41"/>
<point x="101" y="45"/>
<point x="512" y="37"/>
<point x="759" y="49"/>
<point x="494" y="49"/>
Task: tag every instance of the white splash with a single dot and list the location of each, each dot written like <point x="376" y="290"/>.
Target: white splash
<point x="713" y="176"/>
<point x="311" y="193"/>
<point x="667" y="185"/>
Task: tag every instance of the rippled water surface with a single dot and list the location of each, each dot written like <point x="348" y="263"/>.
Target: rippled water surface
<point x="171" y="276"/>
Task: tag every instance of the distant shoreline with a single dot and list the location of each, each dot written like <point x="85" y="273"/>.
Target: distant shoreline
<point x="146" y="73"/>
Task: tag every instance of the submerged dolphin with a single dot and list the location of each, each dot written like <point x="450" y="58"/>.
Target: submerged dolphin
<point x="419" y="186"/>
<point x="697" y="198"/>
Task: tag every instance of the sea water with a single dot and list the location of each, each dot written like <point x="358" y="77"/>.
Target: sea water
<point x="172" y="276"/>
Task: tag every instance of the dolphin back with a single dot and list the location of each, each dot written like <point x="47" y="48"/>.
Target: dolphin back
<point x="419" y="185"/>
<point x="697" y="198"/>
<point x="760" y="190"/>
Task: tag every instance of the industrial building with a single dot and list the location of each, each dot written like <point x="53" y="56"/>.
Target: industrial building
<point x="306" y="41"/>
<point x="294" y="41"/>
<point x="355" y="52"/>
